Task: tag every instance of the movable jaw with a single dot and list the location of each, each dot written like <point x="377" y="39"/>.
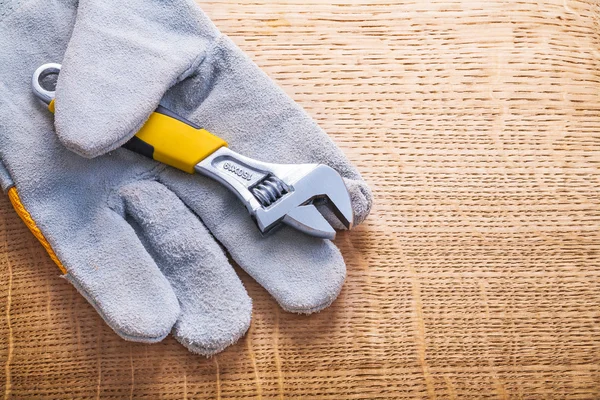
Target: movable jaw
<point x="283" y="193"/>
<point x="297" y="208"/>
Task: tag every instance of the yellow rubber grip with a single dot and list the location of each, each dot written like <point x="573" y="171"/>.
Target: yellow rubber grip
<point x="176" y="143"/>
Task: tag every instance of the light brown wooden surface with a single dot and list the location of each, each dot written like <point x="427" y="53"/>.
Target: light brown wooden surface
<point x="477" y="275"/>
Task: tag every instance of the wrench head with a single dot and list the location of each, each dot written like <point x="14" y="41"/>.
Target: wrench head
<point x="315" y="184"/>
<point x="282" y="193"/>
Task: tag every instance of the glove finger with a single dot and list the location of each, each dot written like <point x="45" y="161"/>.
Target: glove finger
<point x="304" y="274"/>
<point x="121" y="58"/>
<point x="108" y="264"/>
<point x="215" y="308"/>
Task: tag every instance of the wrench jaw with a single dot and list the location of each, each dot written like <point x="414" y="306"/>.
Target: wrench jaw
<point x="297" y="209"/>
<point x="282" y="193"/>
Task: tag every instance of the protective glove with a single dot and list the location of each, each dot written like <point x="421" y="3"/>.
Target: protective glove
<point x="124" y="229"/>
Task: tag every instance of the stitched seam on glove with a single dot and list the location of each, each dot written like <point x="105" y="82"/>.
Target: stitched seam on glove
<point x="22" y="212"/>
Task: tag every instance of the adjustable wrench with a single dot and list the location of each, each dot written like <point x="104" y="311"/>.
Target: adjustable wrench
<point x="272" y="193"/>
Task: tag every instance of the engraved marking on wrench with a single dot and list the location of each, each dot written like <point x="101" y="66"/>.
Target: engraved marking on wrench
<point x="237" y="170"/>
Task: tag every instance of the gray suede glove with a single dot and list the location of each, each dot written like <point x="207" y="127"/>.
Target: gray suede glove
<point x="125" y="229"/>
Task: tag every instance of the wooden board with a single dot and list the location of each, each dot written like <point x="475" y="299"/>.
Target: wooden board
<point x="477" y="275"/>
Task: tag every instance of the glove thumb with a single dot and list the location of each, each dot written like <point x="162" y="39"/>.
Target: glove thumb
<point x="121" y="59"/>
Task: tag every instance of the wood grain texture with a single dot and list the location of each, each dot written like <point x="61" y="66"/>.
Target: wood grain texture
<point x="476" y="276"/>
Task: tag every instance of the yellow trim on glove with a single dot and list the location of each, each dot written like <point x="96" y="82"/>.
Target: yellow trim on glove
<point x="15" y="200"/>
